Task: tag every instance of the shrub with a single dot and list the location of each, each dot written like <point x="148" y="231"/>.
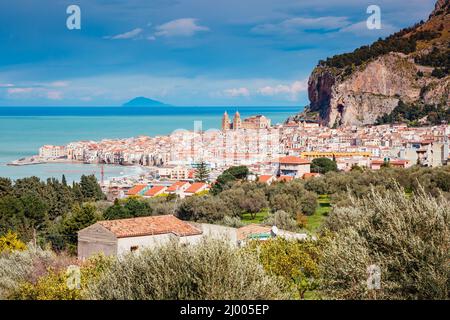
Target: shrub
<point x="407" y="237"/>
<point x="54" y="285"/>
<point x="10" y="242"/>
<point x="19" y="266"/>
<point x="233" y="222"/>
<point x="282" y="220"/>
<point x="210" y="270"/>
<point x="296" y="262"/>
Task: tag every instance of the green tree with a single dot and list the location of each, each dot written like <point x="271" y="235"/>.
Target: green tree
<point x="138" y="208"/>
<point x="253" y="202"/>
<point x="406" y="236"/>
<point x="80" y="218"/>
<point x="282" y="220"/>
<point x="35" y="212"/>
<point x="117" y="211"/>
<point x="323" y="165"/>
<point x="209" y="270"/>
<point x="228" y="177"/>
<point x="6" y="187"/>
<point x="90" y="189"/>
<point x="64" y="181"/>
<point x="296" y="262"/>
<point x="201" y="172"/>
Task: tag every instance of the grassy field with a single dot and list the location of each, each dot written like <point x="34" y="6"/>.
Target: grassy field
<point x="315" y="221"/>
<point x="260" y="216"/>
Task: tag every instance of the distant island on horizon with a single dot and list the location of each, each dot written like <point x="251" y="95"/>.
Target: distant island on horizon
<point x="144" y="102"/>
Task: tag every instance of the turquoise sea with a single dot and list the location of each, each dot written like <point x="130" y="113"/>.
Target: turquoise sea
<point x="24" y="129"/>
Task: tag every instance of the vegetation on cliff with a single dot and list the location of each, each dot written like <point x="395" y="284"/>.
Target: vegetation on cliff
<point x="416" y="114"/>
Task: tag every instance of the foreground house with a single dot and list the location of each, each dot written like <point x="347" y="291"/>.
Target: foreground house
<point x="117" y="237"/>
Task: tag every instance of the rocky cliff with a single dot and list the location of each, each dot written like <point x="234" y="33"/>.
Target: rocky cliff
<point x="357" y="88"/>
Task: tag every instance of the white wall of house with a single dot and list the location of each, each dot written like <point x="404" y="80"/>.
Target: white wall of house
<point x="302" y="169"/>
<point x="219" y="232"/>
<point x="124" y="245"/>
<point x="190" y="239"/>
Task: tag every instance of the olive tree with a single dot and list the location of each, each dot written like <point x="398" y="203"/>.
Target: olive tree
<point x="406" y="236"/>
<point x="212" y="269"/>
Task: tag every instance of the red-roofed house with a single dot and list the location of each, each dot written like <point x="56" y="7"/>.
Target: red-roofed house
<point x="266" y="178"/>
<point x="196" y="187"/>
<point x="377" y="163"/>
<point x="155" y="191"/>
<point x="310" y="175"/>
<point x="285" y="178"/>
<point x="179" y="186"/>
<point x="116" y="237"/>
<point x="293" y="166"/>
<point x="136" y="190"/>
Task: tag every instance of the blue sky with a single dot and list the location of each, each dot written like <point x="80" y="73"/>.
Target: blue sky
<point x="182" y="52"/>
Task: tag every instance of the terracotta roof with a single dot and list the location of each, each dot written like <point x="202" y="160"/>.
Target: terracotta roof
<point x="146" y="226"/>
<point x="264" y="178"/>
<point x="310" y="175"/>
<point x="195" y="187"/>
<point x="392" y="162"/>
<point x="136" y="189"/>
<point x="285" y="178"/>
<point x="293" y="160"/>
<point x="154" y="191"/>
<point x="252" y="230"/>
<point x="177" y="185"/>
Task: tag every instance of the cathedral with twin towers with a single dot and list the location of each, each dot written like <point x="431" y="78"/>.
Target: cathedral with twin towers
<point x="253" y="122"/>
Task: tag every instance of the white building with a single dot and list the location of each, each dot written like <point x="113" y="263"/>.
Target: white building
<point x="49" y="151"/>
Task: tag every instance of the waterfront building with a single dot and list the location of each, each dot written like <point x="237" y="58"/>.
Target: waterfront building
<point x="49" y="151"/>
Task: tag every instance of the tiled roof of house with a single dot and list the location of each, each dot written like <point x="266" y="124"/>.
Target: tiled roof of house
<point x="146" y="226"/>
<point x="154" y="191"/>
<point x="136" y="189"/>
<point x="264" y="178"/>
<point x="195" y="187"/>
<point x="285" y="178"/>
<point x="252" y="230"/>
<point x="177" y="185"/>
<point x="293" y="160"/>
<point x="309" y="175"/>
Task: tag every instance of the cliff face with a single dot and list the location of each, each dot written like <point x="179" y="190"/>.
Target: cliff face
<point x="367" y="93"/>
<point x="345" y="94"/>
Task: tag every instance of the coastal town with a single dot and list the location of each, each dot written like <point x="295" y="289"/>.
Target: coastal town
<point x="280" y="151"/>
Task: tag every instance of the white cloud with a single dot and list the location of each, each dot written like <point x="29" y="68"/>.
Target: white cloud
<point x="59" y="84"/>
<point x="54" y="95"/>
<point x="6" y="85"/>
<point x="127" y="35"/>
<point x="300" y="24"/>
<point x="19" y="90"/>
<point x="291" y="90"/>
<point x="237" y="92"/>
<point x="185" y="27"/>
<point x="360" y="29"/>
